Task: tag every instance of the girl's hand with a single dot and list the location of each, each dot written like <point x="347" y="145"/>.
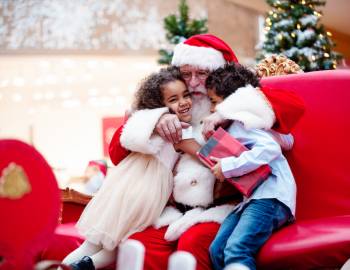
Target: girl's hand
<point x="216" y="170"/>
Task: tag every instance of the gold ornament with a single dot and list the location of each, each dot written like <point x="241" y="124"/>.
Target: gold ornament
<point x="276" y="65"/>
<point x="14" y="182"/>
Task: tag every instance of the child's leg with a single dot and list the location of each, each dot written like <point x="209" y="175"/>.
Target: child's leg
<point x="86" y="249"/>
<point x="217" y="246"/>
<point x="103" y="258"/>
<point x="257" y="222"/>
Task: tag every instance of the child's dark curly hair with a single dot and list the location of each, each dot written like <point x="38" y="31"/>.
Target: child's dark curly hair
<point x="228" y="79"/>
<point x="149" y="95"/>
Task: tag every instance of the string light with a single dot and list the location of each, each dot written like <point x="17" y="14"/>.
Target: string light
<point x="313" y="58"/>
<point x="326" y="54"/>
<point x="293" y="35"/>
<point x="303" y="2"/>
<point x="329" y="34"/>
<point x="275" y="15"/>
<point x="298" y="26"/>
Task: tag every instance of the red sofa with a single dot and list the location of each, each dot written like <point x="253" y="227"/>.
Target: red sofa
<point x="320" y="238"/>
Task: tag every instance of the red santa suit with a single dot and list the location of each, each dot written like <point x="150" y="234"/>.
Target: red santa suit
<point x="195" y="235"/>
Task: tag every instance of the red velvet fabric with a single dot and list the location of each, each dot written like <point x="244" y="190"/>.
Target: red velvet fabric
<point x="195" y="240"/>
<point x="71" y="212"/>
<point x="287" y="106"/>
<point x="116" y="151"/>
<point x="66" y="239"/>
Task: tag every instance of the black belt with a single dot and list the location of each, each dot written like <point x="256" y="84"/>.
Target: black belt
<point x="183" y="208"/>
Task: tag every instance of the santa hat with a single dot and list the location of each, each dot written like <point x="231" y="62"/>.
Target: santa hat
<point x="100" y="164"/>
<point x="204" y="51"/>
<point x="278" y="109"/>
<point x="287" y="106"/>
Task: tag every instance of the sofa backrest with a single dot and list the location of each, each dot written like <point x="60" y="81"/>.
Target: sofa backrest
<point x="321" y="154"/>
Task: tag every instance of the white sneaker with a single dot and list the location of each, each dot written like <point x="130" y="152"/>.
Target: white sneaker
<point x="236" y="266"/>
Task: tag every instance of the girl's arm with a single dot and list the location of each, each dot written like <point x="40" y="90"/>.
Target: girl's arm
<point x="189" y="146"/>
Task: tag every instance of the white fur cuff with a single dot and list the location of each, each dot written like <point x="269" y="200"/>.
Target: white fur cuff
<point x="137" y="132"/>
<point x="249" y="106"/>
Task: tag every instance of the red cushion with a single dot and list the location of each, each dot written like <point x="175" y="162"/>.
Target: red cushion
<point x="66" y="240"/>
<point x="317" y="243"/>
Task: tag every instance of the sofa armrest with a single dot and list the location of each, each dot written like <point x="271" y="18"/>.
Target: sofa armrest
<point x="73" y="203"/>
<point x="322" y="243"/>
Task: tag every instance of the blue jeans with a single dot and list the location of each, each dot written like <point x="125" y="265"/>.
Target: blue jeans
<point x="243" y="232"/>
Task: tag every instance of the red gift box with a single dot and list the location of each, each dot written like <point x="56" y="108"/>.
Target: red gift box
<point x="221" y="144"/>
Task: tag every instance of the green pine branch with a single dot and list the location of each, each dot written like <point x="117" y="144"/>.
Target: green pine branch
<point x="178" y="28"/>
<point x="294" y="29"/>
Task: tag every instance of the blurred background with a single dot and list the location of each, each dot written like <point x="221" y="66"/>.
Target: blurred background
<point x="69" y="68"/>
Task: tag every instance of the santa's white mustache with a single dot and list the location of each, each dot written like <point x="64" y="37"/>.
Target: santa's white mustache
<point x="198" y="89"/>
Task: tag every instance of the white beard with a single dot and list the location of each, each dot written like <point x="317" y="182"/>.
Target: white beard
<point x="200" y="104"/>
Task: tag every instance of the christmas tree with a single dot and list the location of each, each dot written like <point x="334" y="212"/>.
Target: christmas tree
<point x="179" y="28"/>
<point x="293" y="29"/>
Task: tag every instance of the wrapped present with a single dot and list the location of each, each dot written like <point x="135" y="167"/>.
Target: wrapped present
<point x="221" y="144"/>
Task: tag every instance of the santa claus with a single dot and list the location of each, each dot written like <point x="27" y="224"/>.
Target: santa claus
<point x="276" y="109"/>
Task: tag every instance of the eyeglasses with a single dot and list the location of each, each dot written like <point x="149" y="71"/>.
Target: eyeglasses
<point x="200" y="75"/>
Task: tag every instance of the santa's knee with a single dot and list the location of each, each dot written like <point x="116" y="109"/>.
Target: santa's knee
<point x="198" y="237"/>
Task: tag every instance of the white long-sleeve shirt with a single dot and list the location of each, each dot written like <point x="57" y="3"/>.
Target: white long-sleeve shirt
<point x="263" y="150"/>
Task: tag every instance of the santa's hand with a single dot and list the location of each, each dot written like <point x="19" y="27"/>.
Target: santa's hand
<point x="216" y="169"/>
<point x="209" y="124"/>
<point x="169" y="127"/>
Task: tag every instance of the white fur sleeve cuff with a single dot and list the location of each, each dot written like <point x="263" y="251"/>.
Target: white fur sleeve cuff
<point x="249" y="106"/>
<point x="137" y="132"/>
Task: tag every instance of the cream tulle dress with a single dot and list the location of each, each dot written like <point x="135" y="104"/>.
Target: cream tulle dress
<point x="134" y="192"/>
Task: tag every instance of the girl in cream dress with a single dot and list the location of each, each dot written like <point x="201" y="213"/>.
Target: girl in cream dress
<point x="136" y="191"/>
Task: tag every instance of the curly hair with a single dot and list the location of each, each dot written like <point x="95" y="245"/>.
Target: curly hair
<point x="149" y="95"/>
<point x="228" y="79"/>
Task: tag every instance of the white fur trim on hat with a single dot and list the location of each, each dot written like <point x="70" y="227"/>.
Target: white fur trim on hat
<point x="193" y="183"/>
<point x="249" y="106"/>
<point x="137" y="134"/>
<point x="202" y="57"/>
